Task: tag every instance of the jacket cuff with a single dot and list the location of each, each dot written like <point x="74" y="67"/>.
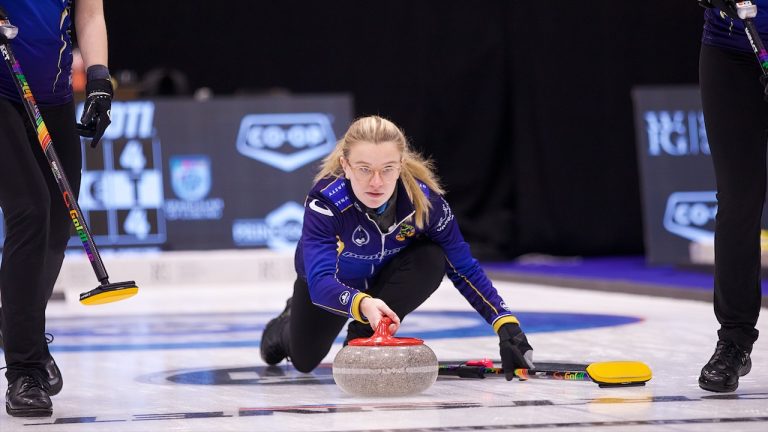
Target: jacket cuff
<point x="354" y="309"/>
<point x="97" y="72"/>
<point x="505" y="319"/>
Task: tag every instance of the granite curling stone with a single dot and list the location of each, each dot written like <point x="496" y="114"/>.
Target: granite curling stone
<point x="384" y="366"/>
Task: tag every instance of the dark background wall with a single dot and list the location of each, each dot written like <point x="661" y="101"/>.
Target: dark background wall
<point x="525" y="106"/>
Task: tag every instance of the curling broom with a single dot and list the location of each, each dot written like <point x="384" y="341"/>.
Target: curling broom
<point x="106" y="292"/>
<point x="605" y="374"/>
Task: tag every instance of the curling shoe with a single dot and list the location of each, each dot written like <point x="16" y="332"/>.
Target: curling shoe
<point x="27" y="396"/>
<point x="722" y="372"/>
<point x="273" y="347"/>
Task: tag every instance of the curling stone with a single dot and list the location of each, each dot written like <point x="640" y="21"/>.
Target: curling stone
<point x="383" y="365"/>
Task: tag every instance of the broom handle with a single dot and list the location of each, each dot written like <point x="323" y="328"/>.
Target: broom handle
<point x="44" y="138"/>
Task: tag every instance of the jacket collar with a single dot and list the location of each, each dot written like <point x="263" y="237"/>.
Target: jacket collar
<point x="404" y="206"/>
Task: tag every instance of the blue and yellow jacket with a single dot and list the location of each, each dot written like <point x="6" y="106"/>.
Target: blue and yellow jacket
<point x="725" y="32"/>
<point x="43" y="48"/>
<point x="341" y="250"/>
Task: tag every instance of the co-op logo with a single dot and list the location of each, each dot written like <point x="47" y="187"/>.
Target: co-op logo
<point x="286" y="141"/>
<point x="279" y="230"/>
<point x="691" y="215"/>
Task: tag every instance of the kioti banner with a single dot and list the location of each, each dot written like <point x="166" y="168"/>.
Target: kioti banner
<point x="178" y="174"/>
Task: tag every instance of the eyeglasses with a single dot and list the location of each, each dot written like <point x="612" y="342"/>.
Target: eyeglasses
<point x="388" y="173"/>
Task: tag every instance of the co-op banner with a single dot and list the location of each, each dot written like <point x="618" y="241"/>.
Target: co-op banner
<point x="677" y="177"/>
<point x="219" y="174"/>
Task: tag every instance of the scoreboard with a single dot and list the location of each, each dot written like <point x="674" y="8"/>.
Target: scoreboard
<point x="121" y="192"/>
<point x="226" y="173"/>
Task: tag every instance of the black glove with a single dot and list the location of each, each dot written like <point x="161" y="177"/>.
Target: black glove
<point x="98" y="104"/>
<point x="516" y="352"/>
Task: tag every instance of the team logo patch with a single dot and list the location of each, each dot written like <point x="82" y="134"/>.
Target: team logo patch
<point x="406" y="231"/>
<point x="344" y="298"/>
<point x="191" y="177"/>
<point x="360" y="236"/>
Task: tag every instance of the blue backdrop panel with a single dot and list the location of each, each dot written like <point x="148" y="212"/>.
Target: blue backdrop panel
<point x="676" y="173"/>
<point x="179" y="174"/>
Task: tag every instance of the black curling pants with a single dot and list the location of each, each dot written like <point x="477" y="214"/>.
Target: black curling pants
<point x="736" y="118"/>
<point x="37" y="227"/>
<point x="403" y="284"/>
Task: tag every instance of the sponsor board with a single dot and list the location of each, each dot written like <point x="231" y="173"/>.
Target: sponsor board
<point x="286" y="141"/>
<point x="177" y="174"/>
<point x="677" y="180"/>
<point x="279" y="230"/>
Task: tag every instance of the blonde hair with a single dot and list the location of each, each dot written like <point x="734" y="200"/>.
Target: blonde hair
<point x="414" y="167"/>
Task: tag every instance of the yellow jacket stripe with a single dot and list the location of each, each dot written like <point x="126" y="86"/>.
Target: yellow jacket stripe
<point x="355" y="309"/>
<point x="504" y="320"/>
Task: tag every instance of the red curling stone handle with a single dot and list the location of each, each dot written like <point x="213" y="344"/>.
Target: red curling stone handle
<point x="381" y="337"/>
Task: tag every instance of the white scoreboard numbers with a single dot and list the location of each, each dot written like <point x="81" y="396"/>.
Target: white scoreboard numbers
<point x="178" y="174"/>
<point x="121" y="193"/>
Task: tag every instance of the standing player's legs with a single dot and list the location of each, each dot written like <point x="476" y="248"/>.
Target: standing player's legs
<point x="737" y="129"/>
<point x="26" y="204"/>
<point x="405" y="283"/>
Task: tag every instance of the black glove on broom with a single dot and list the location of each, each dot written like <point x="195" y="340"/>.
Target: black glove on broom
<point x="98" y="104"/>
<point x="516" y="352"/>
